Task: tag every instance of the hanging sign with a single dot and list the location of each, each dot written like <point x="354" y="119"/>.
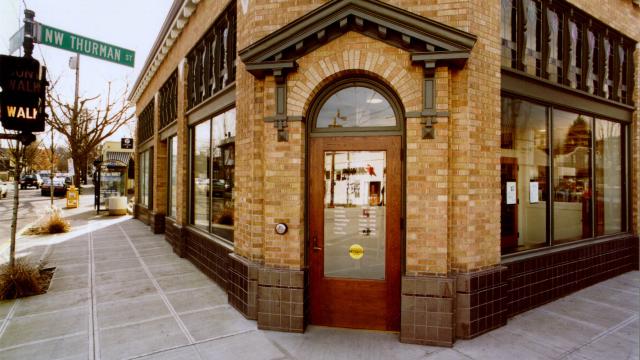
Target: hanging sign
<point x="126" y="143"/>
<point x="22" y="94"/>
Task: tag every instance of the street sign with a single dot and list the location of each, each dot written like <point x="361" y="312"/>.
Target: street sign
<point x="126" y="143"/>
<point x="70" y="169"/>
<point x="15" y="42"/>
<point x="79" y="44"/>
<point x="22" y="97"/>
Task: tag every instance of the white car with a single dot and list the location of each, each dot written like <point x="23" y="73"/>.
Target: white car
<point x="3" y="190"/>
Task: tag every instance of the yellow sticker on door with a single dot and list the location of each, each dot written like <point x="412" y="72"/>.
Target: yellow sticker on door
<point x="356" y="251"/>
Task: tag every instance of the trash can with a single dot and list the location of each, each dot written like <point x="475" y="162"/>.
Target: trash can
<point x="117" y="205"/>
<point x="72" y="197"/>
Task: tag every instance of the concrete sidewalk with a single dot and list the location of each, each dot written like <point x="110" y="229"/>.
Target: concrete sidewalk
<point x="119" y="292"/>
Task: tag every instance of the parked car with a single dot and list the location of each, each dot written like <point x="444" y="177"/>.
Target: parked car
<point x="3" y="190"/>
<point x="60" y="186"/>
<point x="31" y="180"/>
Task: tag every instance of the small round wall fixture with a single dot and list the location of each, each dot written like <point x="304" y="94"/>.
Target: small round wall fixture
<point x="281" y="228"/>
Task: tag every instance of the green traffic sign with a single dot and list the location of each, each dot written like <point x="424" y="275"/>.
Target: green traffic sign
<point x="83" y="45"/>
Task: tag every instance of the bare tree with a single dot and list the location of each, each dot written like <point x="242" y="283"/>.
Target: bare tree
<point x="85" y="127"/>
<point x="22" y="158"/>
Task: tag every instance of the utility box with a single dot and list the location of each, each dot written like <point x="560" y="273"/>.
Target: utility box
<point x="72" y="197"/>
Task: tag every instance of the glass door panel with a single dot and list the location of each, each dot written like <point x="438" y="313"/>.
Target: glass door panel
<point x="354" y="214"/>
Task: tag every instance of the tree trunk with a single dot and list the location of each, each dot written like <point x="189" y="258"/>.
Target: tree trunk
<point x="16" y="203"/>
<point x="14" y="221"/>
<point x="78" y="160"/>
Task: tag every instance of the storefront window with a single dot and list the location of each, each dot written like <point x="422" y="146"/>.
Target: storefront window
<point x="213" y="164"/>
<point x="524" y="174"/>
<point x="145" y="178"/>
<point x="222" y="167"/>
<point x="572" y="183"/>
<point x="608" y="177"/>
<point x="201" y="140"/>
<point x="585" y="197"/>
<point x="173" y="175"/>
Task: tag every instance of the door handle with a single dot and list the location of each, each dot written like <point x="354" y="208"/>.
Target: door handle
<point x="315" y="244"/>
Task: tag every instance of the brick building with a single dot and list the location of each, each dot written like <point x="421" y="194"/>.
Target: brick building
<point x="428" y="167"/>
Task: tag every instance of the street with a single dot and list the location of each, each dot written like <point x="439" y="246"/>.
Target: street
<point x="32" y="205"/>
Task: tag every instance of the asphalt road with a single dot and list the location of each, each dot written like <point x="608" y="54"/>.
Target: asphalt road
<point x="32" y="205"/>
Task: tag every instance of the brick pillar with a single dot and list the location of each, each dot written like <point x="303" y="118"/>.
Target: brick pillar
<point x="159" y="174"/>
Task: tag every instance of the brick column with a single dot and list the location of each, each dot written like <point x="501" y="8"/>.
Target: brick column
<point x="159" y="174"/>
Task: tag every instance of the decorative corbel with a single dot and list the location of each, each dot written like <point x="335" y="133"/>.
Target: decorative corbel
<point x="280" y="119"/>
<point x="279" y="70"/>
<point x="429" y="114"/>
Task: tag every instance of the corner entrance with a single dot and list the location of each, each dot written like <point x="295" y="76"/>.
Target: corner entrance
<point x="354" y="231"/>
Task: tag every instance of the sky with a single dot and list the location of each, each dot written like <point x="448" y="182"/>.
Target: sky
<point x="130" y="24"/>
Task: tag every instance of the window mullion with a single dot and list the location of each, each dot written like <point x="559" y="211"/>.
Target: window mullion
<point x="550" y="179"/>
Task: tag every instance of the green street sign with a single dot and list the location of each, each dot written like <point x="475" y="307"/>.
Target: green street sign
<point x="79" y="44"/>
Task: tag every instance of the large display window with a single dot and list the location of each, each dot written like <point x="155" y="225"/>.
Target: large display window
<point x="212" y="174"/>
<point x="562" y="176"/>
<point x="145" y="178"/>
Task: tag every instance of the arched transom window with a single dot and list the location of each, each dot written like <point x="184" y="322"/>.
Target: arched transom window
<point x="355" y="106"/>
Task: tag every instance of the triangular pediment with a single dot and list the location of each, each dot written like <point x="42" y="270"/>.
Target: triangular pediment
<point x="425" y="39"/>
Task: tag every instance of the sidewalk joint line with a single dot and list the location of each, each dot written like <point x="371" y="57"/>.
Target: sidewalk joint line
<point x="136" y="322"/>
<point x="189" y="312"/>
<point x="599" y="336"/>
<point x="26" y="316"/>
<point x="188" y="289"/>
<point x="617" y="289"/>
<point x="627" y="311"/>
<point x="192" y="345"/>
<point x="7" y="319"/>
<point x="40" y="341"/>
<point x="572" y="319"/>
<point x="94" y="336"/>
<point x="181" y="324"/>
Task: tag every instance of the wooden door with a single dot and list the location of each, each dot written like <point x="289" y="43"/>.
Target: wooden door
<point x="354" y="212"/>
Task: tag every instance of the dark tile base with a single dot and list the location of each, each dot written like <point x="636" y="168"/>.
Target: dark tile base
<point x="157" y="223"/>
<point x="175" y="235"/>
<point x="427" y="310"/>
<point x="540" y="278"/>
<point x="281" y="299"/>
<point x="143" y="214"/>
<point x="481" y="299"/>
<point x="208" y="255"/>
<point x="242" y="286"/>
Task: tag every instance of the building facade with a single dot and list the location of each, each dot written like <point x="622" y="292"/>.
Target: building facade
<point x="428" y="167"/>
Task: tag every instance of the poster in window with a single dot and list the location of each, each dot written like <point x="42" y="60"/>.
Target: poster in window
<point x="511" y="192"/>
<point x="533" y="192"/>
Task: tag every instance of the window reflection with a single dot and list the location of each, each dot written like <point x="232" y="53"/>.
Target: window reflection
<point x="524" y="174"/>
<point x="213" y="160"/>
<point x="145" y="178"/>
<point x="173" y="175"/>
<point x="608" y="177"/>
<point x="354" y="213"/>
<point x="222" y="171"/>
<point x="356" y="106"/>
<point x="200" y="174"/>
<point x="571" y="176"/>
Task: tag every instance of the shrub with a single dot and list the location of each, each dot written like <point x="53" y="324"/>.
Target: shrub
<point x="23" y="279"/>
<point x="56" y="224"/>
